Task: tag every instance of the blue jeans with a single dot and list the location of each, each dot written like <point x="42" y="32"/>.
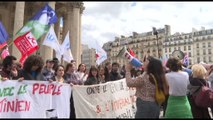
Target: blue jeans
<point x="147" y="109"/>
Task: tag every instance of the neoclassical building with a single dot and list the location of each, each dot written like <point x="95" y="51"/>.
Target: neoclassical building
<point x="15" y="14"/>
<point x="198" y="44"/>
<point x="140" y="43"/>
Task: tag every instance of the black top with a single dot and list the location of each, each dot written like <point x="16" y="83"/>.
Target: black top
<point x="115" y="76"/>
<point x="197" y="81"/>
<point x="106" y="74"/>
<point x="91" y="81"/>
<point x="29" y="76"/>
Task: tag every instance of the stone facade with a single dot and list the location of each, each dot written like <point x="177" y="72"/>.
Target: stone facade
<point x="141" y="44"/>
<point x="196" y="43"/>
<point x="88" y="56"/>
<point x="15" y="14"/>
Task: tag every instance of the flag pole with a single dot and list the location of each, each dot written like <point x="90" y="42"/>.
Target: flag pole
<point x="62" y="59"/>
<point x="9" y="44"/>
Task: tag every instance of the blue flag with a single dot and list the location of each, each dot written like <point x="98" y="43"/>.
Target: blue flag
<point x="40" y="22"/>
<point x="3" y="34"/>
<point x="48" y="12"/>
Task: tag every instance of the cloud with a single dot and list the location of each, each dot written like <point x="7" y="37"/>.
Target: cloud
<point x="133" y="4"/>
<point x="102" y="21"/>
<point x="99" y="9"/>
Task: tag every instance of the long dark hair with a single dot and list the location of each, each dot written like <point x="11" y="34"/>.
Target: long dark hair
<point x="33" y="60"/>
<point x="80" y="66"/>
<point x="93" y="68"/>
<point x="99" y="68"/>
<point x="155" y="67"/>
<point x="58" y="68"/>
<point x="106" y="72"/>
<point x="68" y="66"/>
<point x="8" y="61"/>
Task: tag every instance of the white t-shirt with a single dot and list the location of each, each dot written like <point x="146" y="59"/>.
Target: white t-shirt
<point x="178" y="82"/>
<point x="82" y="76"/>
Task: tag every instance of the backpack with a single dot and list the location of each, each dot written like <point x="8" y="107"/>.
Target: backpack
<point x="204" y="97"/>
<point x="159" y="94"/>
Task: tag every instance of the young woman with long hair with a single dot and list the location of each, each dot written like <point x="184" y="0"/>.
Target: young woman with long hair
<point x="93" y="77"/>
<point x="82" y="72"/>
<point x="147" y="106"/>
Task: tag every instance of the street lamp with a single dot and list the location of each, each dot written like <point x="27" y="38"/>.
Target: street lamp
<point x="155" y="32"/>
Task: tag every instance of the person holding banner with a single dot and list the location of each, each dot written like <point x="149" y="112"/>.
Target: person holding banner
<point x="59" y="74"/>
<point x="55" y="63"/>
<point x="19" y="66"/>
<point x="9" y="70"/>
<point x="101" y="73"/>
<point x="71" y="76"/>
<point x="147" y="106"/>
<point x="82" y="72"/>
<point x="32" y="68"/>
<point x="108" y="67"/>
<point x="73" y="79"/>
<point x="48" y="71"/>
<point x="93" y="77"/>
<point x="115" y="73"/>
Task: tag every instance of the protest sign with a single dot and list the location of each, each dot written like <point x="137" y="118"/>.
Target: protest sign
<point x="34" y="99"/>
<point x="108" y="100"/>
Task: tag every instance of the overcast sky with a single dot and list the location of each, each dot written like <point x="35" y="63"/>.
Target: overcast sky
<point x="102" y="21"/>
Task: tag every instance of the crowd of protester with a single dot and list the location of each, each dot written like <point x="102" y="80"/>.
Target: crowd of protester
<point x="176" y="81"/>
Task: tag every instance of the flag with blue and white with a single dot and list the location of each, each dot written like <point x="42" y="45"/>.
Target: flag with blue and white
<point x="66" y="49"/>
<point x="40" y="22"/>
<point x="186" y="60"/>
<point x="51" y="40"/>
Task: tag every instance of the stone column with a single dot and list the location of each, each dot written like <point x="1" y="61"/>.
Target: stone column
<point x="57" y="32"/>
<point x="80" y="40"/>
<point x="66" y="25"/>
<point x="74" y="36"/>
<point x="57" y="28"/>
<point x="45" y="51"/>
<point x="18" y="24"/>
<point x="80" y="47"/>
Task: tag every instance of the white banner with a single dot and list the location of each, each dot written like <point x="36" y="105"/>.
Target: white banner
<point x="34" y="99"/>
<point x="108" y="100"/>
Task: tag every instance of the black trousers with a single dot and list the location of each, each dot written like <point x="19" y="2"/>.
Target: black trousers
<point x="72" y="108"/>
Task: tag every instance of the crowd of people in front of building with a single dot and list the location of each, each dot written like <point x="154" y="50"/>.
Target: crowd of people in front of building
<point x="35" y="68"/>
<point x="177" y="82"/>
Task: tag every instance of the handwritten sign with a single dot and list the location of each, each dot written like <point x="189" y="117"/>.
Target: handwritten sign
<point x="108" y="100"/>
<point x="34" y="99"/>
